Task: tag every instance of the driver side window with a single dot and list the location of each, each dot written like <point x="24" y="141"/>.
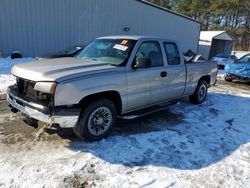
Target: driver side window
<point x="152" y="51"/>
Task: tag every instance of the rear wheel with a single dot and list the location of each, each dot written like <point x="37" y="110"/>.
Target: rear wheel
<point x="96" y="120"/>
<point x="200" y="93"/>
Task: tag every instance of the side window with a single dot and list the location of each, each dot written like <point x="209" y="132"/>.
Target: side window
<point x="151" y="50"/>
<point x="245" y="59"/>
<point x="172" y="53"/>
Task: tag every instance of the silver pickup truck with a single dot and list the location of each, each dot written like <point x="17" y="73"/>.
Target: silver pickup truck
<point x="113" y="77"/>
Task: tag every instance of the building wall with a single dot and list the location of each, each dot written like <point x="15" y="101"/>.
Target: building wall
<point x="36" y="27"/>
<point x="220" y="47"/>
<point x="211" y="49"/>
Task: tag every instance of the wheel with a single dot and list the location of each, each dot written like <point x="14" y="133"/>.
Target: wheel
<point x="96" y="120"/>
<point x="200" y="93"/>
<point x="228" y="78"/>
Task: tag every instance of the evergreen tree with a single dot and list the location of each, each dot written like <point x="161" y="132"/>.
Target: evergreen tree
<point x="213" y="14"/>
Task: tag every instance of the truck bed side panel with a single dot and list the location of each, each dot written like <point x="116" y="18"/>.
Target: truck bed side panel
<point x="197" y="70"/>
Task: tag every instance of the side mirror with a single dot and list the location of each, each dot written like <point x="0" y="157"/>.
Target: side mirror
<point x="142" y="63"/>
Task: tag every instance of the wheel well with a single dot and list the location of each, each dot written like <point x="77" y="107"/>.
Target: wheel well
<point x="206" y="78"/>
<point x="113" y="96"/>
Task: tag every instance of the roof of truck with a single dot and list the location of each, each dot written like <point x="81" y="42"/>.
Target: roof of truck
<point x="132" y="37"/>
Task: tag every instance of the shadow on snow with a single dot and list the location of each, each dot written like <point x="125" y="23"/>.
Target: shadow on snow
<point x="183" y="137"/>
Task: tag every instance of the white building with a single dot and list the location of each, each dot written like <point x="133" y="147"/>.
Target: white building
<point x="36" y="27"/>
<point x="215" y="42"/>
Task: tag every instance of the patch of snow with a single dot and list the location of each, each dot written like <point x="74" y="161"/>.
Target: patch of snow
<point x="205" y="145"/>
<point x="6" y="79"/>
<point x="5" y="82"/>
<point x="7" y="63"/>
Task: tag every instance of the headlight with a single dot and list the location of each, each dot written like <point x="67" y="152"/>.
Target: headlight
<point x="46" y="87"/>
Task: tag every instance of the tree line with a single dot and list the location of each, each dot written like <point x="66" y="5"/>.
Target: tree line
<point x="229" y="15"/>
<point x="213" y="14"/>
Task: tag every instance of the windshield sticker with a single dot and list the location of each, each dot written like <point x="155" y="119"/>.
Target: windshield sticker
<point x="124" y="42"/>
<point x="120" y="47"/>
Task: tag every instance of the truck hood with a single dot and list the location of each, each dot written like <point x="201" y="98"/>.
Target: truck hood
<point x="60" y="69"/>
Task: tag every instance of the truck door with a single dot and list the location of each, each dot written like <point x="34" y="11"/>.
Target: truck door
<point x="168" y="74"/>
<point x="146" y="85"/>
<point x="175" y="81"/>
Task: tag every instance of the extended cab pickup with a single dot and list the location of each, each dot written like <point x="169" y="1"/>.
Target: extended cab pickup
<point x="117" y="76"/>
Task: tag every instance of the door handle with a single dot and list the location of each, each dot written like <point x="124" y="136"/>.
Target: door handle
<point x="164" y="74"/>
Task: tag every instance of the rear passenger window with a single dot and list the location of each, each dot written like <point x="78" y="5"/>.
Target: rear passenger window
<point x="151" y="50"/>
<point x="172" y="53"/>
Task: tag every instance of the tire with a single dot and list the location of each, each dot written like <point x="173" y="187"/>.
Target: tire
<point x="16" y="55"/>
<point x="200" y="93"/>
<point x="96" y="120"/>
<point x="228" y="78"/>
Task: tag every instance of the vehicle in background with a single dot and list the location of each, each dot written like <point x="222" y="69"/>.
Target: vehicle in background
<point x="240" y="54"/>
<point x="70" y="52"/>
<point x="113" y="77"/>
<point x="16" y="55"/>
<point x="240" y="69"/>
<point x="224" y="59"/>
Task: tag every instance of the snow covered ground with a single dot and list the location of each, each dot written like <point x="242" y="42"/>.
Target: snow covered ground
<point x="6" y="78"/>
<point x="186" y="146"/>
<point x="5" y="81"/>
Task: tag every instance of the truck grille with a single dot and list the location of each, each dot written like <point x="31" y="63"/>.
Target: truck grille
<point x="25" y="90"/>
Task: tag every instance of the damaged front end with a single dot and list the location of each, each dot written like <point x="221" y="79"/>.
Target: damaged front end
<point x="36" y="100"/>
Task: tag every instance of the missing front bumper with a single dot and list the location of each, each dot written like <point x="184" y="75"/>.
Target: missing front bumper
<point x="66" y="117"/>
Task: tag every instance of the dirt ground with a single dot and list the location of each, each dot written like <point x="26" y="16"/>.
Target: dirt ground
<point x="16" y="135"/>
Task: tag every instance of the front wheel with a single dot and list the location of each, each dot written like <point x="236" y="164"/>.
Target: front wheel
<point x="228" y="78"/>
<point x="96" y="120"/>
<point x="200" y="93"/>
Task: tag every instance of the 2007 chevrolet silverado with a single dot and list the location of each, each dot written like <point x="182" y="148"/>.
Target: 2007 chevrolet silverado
<point x="113" y="77"/>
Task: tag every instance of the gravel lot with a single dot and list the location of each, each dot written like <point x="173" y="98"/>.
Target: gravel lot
<point x="185" y="146"/>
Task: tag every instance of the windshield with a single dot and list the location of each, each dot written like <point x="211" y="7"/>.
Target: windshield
<point x="112" y="51"/>
<point x="244" y="59"/>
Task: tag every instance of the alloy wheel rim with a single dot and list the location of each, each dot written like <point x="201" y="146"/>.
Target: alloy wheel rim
<point x="99" y="121"/>
<point x="202" y="92"/>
